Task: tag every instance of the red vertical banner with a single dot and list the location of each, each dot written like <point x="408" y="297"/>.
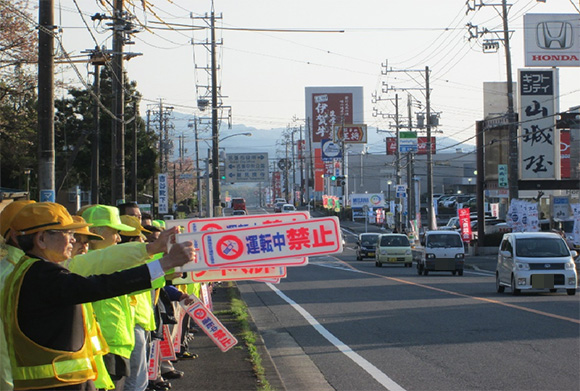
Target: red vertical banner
<point x="565" y="153"/>
<point x="318" y="170"/>
<point x="301" y="147"/>
<point x="465" y="224"/>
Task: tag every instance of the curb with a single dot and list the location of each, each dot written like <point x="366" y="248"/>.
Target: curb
<point x="270" y="370"/>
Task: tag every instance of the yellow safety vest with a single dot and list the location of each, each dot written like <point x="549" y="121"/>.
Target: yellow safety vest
<point x="35" y="366"/>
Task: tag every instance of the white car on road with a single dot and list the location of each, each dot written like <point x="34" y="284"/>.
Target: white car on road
<point x="535" y="261"/>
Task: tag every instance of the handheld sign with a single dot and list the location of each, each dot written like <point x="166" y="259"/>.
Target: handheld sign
<point x="231" y="222"/>
<point x="239" y="274"/>
<point x="211" y="325"/>
<point x="270" y="245"/>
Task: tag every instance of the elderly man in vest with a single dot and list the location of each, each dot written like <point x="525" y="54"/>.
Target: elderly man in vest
<point x="48" y="343"/>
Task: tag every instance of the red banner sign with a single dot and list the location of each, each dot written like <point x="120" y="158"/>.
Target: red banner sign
<point x="465" y="224"/>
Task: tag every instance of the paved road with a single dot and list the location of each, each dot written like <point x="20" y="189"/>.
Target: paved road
<point x="344" y="324"/>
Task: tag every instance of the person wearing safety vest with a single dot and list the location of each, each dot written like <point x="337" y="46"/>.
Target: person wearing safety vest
<point x="48" y="344"/>
<point x="14" y="253"/>
<point x="144" y="317"/>
<point x="97" y="262"/>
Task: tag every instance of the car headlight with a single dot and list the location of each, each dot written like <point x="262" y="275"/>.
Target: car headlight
<point x="522" y="266"/>
<point x="383" y="252"/>
<point x="569" y="265"/>
<point x="430" y="256"/>
<point x="459" y="255"/>
<point x="408" y="252"/>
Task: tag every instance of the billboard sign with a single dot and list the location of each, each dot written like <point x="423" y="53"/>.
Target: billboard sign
<point x="329" y="109"/>
<point x="539" y="143"/>
<point x="552" y="40"/>
<point x="421" y="145"/>
<point x="247" y="167"/>
<point x="368" y="200"/>
<point x="407" y="142"/>
<point x="350" y="134"/>
<point x="330" y="150"/>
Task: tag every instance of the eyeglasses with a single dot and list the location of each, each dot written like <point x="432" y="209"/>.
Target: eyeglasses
<point x="69" y="234"/>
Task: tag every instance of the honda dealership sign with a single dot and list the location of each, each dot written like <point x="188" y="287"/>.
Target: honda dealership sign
<point x="552" y="40"/>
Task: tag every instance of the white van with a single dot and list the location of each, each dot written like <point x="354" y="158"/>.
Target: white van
<point x="442" y="251"/>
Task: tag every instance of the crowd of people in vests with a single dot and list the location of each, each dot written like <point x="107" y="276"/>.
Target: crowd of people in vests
<point x="83" y="297"/>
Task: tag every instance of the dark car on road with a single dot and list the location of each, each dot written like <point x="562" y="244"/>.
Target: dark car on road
<point x="366" y="245"/>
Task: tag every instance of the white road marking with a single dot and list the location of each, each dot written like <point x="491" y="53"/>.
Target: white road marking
<point x="379" y="376"/>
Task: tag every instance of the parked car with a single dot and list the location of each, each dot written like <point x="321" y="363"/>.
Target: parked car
<point x="442" y="199"/>
<point x="535" y="261"/>
<point x="287" y="208"/>
<point x="366" y="245"/>
<point x="442" y="251"/>
<point x="471" y="203"/>
<point x="567" y="227"/>
<point x="394" y="249"/>
<point x="452" y="224"/>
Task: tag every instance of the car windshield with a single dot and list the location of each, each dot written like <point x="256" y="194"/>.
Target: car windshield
<point x="369" y="240"/>
<point x="444" y="241"/>
<point x="394" y="241"/>
<point x="541" y="247"/>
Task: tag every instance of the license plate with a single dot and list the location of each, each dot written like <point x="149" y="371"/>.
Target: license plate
<point x="392" y="259"/>
<point x="371" y="254"/>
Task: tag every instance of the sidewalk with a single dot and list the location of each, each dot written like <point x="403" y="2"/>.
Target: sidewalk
<point x="232" y="370"/>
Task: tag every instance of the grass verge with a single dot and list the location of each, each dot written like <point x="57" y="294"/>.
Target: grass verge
<point x="239" y="311"/>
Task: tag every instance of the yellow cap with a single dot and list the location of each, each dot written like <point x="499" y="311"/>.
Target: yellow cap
<point x="133" y="222"/>
<point x="8" y="214"/>
<point x="85" y="230"/>
<point x="43" y="216"/>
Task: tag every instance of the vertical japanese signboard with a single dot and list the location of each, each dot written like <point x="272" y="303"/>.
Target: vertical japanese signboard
<point x="329" y="109"/>
<point x="502" y="175"/>
<point x="163" y="202"/>
<point x="539" y="143"/>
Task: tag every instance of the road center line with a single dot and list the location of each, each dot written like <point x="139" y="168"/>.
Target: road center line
<point x="379" y="376"/>
<point x="491" y="301"/>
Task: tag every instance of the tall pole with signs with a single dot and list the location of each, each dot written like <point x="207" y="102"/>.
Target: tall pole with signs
<point x="46" y="180"/>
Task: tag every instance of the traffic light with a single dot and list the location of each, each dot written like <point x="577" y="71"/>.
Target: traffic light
<point x="341" y="180"/>
<point x="333" y="178"/>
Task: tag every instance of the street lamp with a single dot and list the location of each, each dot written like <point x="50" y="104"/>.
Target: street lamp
<point x="27" y="173"/>
<point x="389" y="183"/>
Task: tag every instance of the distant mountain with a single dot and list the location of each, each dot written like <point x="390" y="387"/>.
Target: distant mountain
<point x="269" y="140"/>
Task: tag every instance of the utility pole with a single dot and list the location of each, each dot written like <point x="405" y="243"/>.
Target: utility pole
<point x="430" y="210"/>
<point x="399" y="215"/>
<point x="214" y="122"/>
<point x="491" y="46"/>
<point x="512" y="127"/>
<point x="97" y="59"/>
<point x="432" y="223"/>
<point x="46" y="182"/>
<point x="216" y="106"/>
<point x="135" y="157"/>
<point x="118" y="125"/>
<point x="198" y="178"/>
